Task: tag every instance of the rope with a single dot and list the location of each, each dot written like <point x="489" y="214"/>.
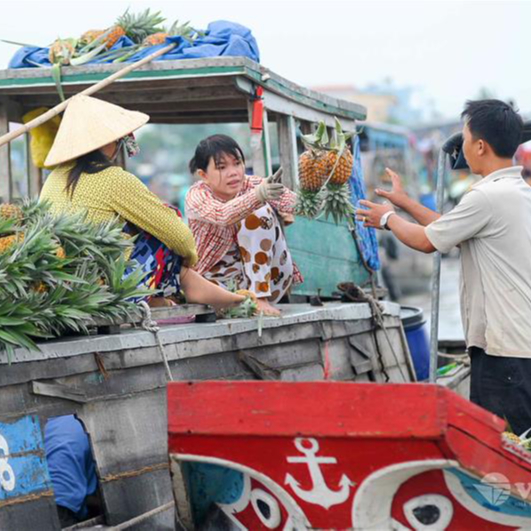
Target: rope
<point x="356" y="294"/>
<point x="151" y="326"/>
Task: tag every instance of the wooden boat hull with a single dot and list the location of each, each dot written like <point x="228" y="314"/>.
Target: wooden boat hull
<point x="328" y="455"/>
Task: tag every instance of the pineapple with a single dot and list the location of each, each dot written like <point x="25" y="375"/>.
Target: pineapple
<point x="336" y="203"/>
<point x="136" y="27"/>
<point x="247" y="293"/>
<point x="336" y="199"/>
<point x="343" y="169"/>
<point x="313" y="171"/>
<point x="39" y="287"/>
<point x="10" y="211"/>
<point x="8" y="241"/>
<point x="184" y="30"/>
<point x="61" y="51"/>
<point x="60" y="253"/>
<point x="512" y="437"/>
<point x="90" y="36"/>
<point x="155" y="39"/>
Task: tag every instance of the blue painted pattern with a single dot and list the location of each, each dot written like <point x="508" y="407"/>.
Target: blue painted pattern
<point x="210" y="484"/>
<point x="23" y="468"/>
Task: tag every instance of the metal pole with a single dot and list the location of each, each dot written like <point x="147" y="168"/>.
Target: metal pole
<point x="436" y="276"/>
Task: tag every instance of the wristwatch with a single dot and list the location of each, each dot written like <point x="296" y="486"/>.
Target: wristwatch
<point x="385" y="218"/>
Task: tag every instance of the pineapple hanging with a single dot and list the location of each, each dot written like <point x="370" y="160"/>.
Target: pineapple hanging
<point x="336" y="198"/>
<point x="313" y="171"/>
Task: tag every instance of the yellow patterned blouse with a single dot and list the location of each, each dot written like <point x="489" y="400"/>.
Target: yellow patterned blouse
<point x="112" y="193"/>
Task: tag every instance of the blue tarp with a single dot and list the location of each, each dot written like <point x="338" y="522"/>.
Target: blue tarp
<point x="366" y="235"/>
<point x="222" y="38"/>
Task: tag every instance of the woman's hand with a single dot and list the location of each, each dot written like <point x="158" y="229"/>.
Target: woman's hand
<point x="271" y="188"/>
<point x="288" y="219"/>
<point x="397" y="195"/>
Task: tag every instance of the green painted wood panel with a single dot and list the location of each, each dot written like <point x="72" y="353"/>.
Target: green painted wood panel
<point x="326" y="254"/>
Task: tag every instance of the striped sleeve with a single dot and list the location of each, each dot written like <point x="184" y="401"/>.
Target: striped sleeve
<point x="201" y="205"/>
<point x="286" y="203"/>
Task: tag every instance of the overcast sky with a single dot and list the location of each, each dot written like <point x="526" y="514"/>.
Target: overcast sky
<point x="446" y="50"/>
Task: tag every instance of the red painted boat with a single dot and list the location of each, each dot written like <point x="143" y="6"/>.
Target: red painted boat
<point x="328" y="455"/>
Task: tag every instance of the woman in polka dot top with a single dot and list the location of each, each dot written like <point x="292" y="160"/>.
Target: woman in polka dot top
<point x="235" y="221"/>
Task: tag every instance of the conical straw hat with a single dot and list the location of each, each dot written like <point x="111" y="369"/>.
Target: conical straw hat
<point x="89" y="124"/>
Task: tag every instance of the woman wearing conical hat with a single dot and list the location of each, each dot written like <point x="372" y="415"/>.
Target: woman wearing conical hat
<point x="85" y="178"/>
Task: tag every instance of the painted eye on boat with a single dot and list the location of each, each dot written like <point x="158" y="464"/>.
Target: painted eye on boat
<point x="266" y="508"/>
<point x="431" y="511"/>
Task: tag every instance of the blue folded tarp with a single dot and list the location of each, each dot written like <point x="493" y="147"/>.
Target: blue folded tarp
<point x="222" y="38"/>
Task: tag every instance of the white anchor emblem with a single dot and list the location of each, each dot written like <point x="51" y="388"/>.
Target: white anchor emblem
<point x="320" y="494"/>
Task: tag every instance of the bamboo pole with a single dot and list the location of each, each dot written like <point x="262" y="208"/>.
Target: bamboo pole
<point x="87" y="92"/>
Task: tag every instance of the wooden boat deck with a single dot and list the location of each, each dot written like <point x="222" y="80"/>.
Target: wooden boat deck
<point x="116" y="385"/>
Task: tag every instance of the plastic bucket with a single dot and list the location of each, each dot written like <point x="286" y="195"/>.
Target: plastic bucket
<point x="417" y="339"/>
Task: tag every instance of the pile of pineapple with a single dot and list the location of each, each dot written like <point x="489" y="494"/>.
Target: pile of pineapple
<point x="58" y="272"/>
<point x="144" y="29"/>
<point x="324" y="171"/>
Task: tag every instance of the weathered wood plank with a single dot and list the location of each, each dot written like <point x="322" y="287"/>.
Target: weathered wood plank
<point x="225" y="335"/>
<point x="163" y="70"/>
<point x="287" y="147"/>
<point x="186" y="93"/>
<point x="128" y="497"/>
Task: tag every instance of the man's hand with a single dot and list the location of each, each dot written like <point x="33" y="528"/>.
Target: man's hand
<point x="270" y="189"/>
<point x="397" y="195"/>
<point x="372" y="213"/>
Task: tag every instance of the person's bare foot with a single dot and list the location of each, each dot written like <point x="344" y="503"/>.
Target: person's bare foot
<point x="265" y="307"/>
<point x="160" y="302"/>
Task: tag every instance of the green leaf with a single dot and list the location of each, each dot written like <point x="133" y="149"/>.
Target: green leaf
<point x="56" y="76"/>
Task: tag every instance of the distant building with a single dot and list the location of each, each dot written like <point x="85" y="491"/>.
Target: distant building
<point x="379" y="106"/>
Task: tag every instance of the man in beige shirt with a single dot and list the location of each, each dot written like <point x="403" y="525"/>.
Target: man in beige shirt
<point x="492" y="227"/>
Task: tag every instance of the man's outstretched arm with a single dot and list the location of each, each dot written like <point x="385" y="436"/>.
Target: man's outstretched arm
<point x="410" y="234"/>
<point x="422" y="215"/>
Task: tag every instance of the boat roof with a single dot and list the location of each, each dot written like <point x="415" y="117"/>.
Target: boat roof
<point x="209" y="90"/>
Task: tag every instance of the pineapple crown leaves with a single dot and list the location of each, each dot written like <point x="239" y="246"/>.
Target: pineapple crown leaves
<point x="187" y="32"/>
<point x="138" y="26"/>
<point x="72" y="288"/>
<point x="319" y="140"/>
<point x="339" y="137"/>
<point x="6" y="226"/>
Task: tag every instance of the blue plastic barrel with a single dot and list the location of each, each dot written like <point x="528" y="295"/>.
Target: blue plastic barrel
<point x="417" y="339"/>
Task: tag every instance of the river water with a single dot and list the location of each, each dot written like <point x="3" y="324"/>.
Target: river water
<point x="450" y="327"/>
